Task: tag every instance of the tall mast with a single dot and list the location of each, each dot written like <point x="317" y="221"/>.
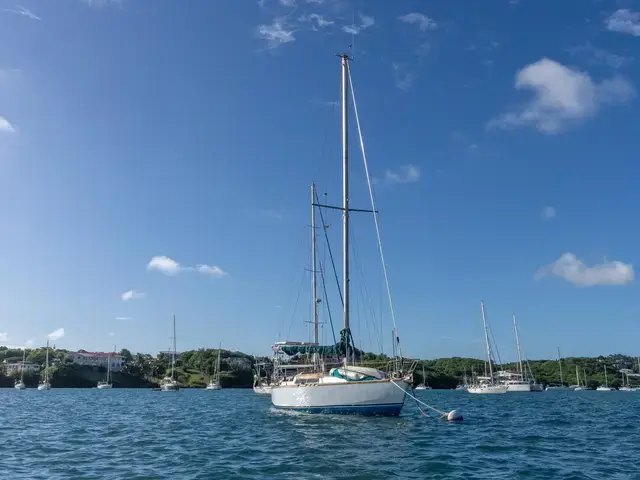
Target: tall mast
<point x="560" y="363"/>
<point x="110" y="359"/>
<point x="24" y="356"/>
<point x="345" y="189"/>
<point x="218" y="363"/>
<point x="606" y="382"/>
<point x="486" y="339"/>
<point x="577" y="376"/>
<point x="46" y="364"/>
<point x="313" y="263"/>
<point x="515" y="329"/>
<point x="173" y="356"/>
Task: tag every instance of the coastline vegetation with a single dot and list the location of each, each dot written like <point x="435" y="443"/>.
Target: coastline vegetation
<point x="195" y="367"/>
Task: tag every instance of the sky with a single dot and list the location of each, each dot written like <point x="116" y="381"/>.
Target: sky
<point x="156" y="159"/>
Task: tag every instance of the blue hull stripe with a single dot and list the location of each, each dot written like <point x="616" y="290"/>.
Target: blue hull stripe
<point x="387" y="409"/>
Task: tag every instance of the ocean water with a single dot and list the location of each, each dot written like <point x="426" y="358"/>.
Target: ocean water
<point x="235" y="434"/>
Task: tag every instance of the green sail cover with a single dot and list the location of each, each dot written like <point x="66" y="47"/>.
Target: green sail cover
<point x="339" y="348"/>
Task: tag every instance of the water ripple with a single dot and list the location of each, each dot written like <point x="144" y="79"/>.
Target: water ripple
<point x="234" y="434"/>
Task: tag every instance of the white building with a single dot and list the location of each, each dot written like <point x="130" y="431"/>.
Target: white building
<point x="14" y="368"/>
<point x="97" y="359"/>
<point x="167" y="353"/>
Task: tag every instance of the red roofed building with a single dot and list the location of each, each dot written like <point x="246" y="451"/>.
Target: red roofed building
<point x="97" y="359"/>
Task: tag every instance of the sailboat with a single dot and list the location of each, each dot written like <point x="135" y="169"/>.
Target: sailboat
<point x="348" y="389"/>
<point x="20" y="383"/>
<point x="169" y="384"/>
<point x="521" y="382"/>
<point x="423" y="386"/>
<point x="261" y="386"/>
<point x="605" y="387"/>
<point x="45" y="385"/>
<point x="578" y="386"/>
<point x="487" y="385"/>
<point x="107" y="383"/>
<point x="625" y="384"/>
<point x="562" y="386"/>
<point x="214" y="383"/>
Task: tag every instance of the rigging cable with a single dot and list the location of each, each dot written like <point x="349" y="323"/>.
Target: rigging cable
<point x="295" y="308"/>
<point x="333" y="264"/>
<point x="326" y="301"/>
<point x="373" y="207"/>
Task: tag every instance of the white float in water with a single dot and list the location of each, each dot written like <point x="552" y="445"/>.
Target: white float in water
<point x="452" y="416"/>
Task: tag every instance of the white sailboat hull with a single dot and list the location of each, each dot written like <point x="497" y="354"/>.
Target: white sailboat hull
<point x="20" y="386"/>
<point x="604" y="389"/>
<point x="524" y="387"/>
<point x="488" y="389"/>
<point x="377" y="397"/>
<point x="213" y="386"/>
<point x="44" y="386"/>
<point x="103" y="386"/>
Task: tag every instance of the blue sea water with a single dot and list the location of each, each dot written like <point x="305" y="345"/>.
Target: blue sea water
<point x="235" y="434"/>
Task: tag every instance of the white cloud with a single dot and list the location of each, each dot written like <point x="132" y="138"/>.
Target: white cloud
<point x="169" y="266"/>
<point x="404" y="174"/>
<point x="402" y="78"/>
<point x="102" y="3"/>
<point x="5" y="126"/>
<point x="124" y="318"/>
<point x="165" y="265"/>
<point x="570" y="268"/>
<point x="624" y="21"/>
<point x="131" y="295"/>
<point x="365" y="22"/>
<point x="318" y="2"/>
<point x="424" y="23"/>
<point x="4" y="337"/>
<point x="20" y="10"/>
<point x="561" y="95"/>
<point x="288" y="3"/>
<point x="276" y="34"/>
<point x="56" y="334"/>
<point x="29" y="343"/>
<point x="211" y="270"/>
<point x="548" y="213"/>
<point x="318" y="20"/>
<point x="111" y="334"/>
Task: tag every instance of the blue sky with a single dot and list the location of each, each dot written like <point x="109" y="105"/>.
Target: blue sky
<point x="156" y="157"/>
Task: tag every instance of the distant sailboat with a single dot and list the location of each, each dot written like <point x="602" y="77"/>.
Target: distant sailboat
<point x="487" y="385"/>
<point x="261" y="386"/>
<point x="424" y="385"/>
<point x="578" y="387"/>
<point x="105" y="384"/>
<point x="169" y="384"/>
<point x="521" y="382"/>
<point x="20" y="383"/>
<point x="562" y="386"/>
<point x="214" y="383"/>
<point x="605" y="387"/>
<point x="626" y="386"/>
<point x="45" y="385"/>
